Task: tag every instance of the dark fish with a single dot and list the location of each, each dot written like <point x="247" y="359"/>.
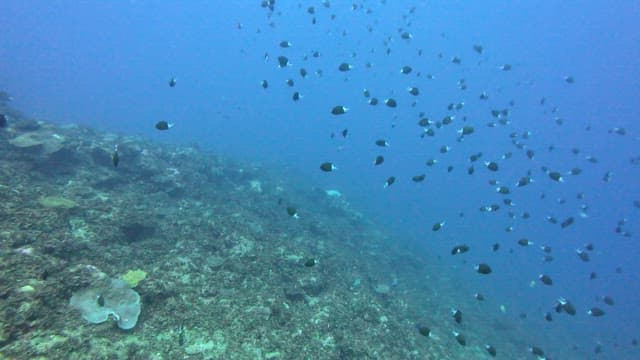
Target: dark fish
<point x="413" y="91"/>
<point x="293" y="212"/>
<point x="467" y="130"/>
<point x="327" y="167"/>
<point x="491" y="350"/>
<point x="339" y="110"/>
<point x="366" y="93"/>
<point x="290" y="82"/>
<point x="491" y="165"/>
<point x="478" y="48"/>
<point x="373" y="101"/>
<point x="418" y="178"/>
<point x="583" y="255"/>
<point x="285" y="44"/>
<point x="608" y="300"/>
<point x="310" y="262"/>
<point x="406" y="35"/>
<point x="566" y="306"/>
<point x="595" y="312"/>
<point x="303" y="72"/>
<point x="424" y="330"/>
<point x="115" y="158"/>
<point x="536" y="351"/>
<point x="379" y="160"/>
<point x="567" y="222"/>
<point x="283" y="61"/>
<point x="478" y="296"/>
<point x="437" y="226"/>
<point x="457" y="315"/>
<point x="545" y="279"/>
<point x="4" y="121"/>
<point x="456" y="60"/>
<point x="503" y="190"/>
<point x="556" y="176"/>
<point x="172" y="82"/>
<point x="382" y="143"/>
<point x="548" y="316"/>
<point x="389" y="181"/>
<point x="505" y="67"/>
<point x="484" y="269"/>
<point x="345" y="132"/>
<point x="525" y="242"/>
<point x="495" y="247"/>
<point x="406" y="69"/>
<point x="459" y="249"/>
<point x="391" y="102"/>
<point x="524" y="181"/>
<point x="569" y="79"/>
<point x="459" y="338"/>
<point x="264" y="83"/>
<point x="163" y="125"/>
<point x="424" y="122"/>
<point x="345" y="67"/>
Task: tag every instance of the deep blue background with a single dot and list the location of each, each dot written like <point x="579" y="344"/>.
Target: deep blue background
<point x="107" y="64"/>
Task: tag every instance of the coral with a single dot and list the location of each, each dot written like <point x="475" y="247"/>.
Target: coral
<point x="133" y="277"/>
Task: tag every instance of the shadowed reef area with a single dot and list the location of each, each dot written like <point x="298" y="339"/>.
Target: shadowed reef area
<point x="227" y="272"/>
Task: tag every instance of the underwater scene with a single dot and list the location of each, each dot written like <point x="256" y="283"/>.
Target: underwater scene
<point x="319" y="179"/>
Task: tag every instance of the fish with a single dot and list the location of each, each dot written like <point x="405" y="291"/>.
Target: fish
<point x="566" y="306"/>
<point x="373" y="101"/>
<point x="457" y="315"/>
<point x="406" y="70"/>
<point x="172" y="82"/>
<point x="437" y="226"/>
<point x="459" y="249"/>
<point x="296" y="96"/>
<point x="328" y="167"/>
<point x="345" y="67"/>
<point x="536" y="351"/>
<point x="491" y="350"/>
<point x="483" y="268"/>
<point x="478" y="296"/>
<point x="418" y="178"/>
<point x="379" y="160"/>
<point x="285" y="44"/>
<point x="293" y="212"/>
<point x="310" y="262"/>
<point x="339" y="110"/>
<point x="459" y="338"/>
<point x="283" y="61"/>
<point x="115" y="157"/>
<point x="391" y="102"/>
<point x="491" y="165"/>
<point x="389" y="181"/>
<point x="424" y="330"/>
<point x="595" y="312"/>
<point x="608" y="300"/>
<point x="264" y="84"/>
<point x="583" y="255"/>
<point x="382" y="143"/>
<point x="4" y="121"/>
<point x="163" y="125"/>
<point x="525" y="242"/>
<point x="545" y="279"/>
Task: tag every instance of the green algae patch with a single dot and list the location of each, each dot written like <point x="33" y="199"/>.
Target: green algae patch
<point x="57" y="202"/>
<point x="134" y="277"/>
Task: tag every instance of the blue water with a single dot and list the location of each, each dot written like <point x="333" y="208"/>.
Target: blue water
<point x="107" y="65"/>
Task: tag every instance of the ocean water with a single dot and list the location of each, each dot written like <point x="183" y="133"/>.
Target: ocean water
<point x="107" y="65"/>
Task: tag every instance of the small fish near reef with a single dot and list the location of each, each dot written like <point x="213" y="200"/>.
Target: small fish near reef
<point x="163" y="125"/>
<point x="115" y="157"/>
